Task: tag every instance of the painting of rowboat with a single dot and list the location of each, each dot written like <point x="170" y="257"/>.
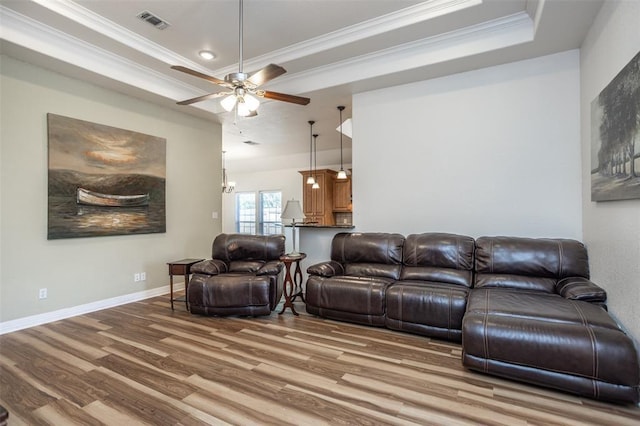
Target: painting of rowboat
<point x="92" y="198"/>
<point x="104" y="180"/>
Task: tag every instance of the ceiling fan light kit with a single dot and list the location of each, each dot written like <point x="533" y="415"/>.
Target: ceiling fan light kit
<point x="243" y="86"/>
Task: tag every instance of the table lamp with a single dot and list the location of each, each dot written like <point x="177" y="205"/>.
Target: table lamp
<point x="293" y="211"/>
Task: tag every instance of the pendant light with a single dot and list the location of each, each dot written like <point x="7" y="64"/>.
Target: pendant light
<point x="310" y="179"/>
<point x="315" y="185"/>
<point x="341" y="174"/>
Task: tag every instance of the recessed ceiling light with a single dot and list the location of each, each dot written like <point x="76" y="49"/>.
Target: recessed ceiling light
<point x="206" y="54"/>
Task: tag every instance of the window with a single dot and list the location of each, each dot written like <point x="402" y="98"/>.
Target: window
<point x="259" y="213"/>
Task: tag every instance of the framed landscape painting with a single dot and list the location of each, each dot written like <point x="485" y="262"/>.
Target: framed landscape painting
<point x="615" y="137"/>
<point x="103" y="180"/>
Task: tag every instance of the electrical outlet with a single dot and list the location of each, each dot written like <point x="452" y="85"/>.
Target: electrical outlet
<point x="143" y="276"/>
<point x="136" y="277"/>
<point x="42" y="293"/>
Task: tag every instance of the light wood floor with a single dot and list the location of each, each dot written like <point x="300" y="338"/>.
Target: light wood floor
<point x="141" y="363"/>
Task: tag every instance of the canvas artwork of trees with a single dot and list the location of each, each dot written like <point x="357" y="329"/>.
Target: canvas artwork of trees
<point x="615" y="137"/>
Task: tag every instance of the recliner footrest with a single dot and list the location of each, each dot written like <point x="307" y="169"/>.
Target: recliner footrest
<point x="229" y="294"/>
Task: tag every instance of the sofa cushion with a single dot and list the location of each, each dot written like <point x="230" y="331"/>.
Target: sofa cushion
<point x="371" y="250"/>
<point x="360" y="295"/>
<point x="249" y="266"/>
<point x="441" y="257"/>
<point x="230" y="247"/>
<point x="428" y="308"/>
<point x="528" y="263"/>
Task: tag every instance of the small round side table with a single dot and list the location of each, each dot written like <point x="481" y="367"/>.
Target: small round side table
<point x="292" y="284"/>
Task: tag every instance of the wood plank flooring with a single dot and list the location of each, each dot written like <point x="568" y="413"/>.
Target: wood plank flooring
<point x="142" y="364"/>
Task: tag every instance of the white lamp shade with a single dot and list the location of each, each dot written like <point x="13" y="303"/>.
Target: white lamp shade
<point x="311" y="180"/>
<point x="293" y="211"/>
<point x="229" y="102"/>
<point x="342" y="174"/>
<point x="315" y="185"/>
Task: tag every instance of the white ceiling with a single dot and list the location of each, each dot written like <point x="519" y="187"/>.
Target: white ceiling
<point x="330" y="48"/>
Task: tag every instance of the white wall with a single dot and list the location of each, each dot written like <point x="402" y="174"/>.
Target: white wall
<point x="85" y="270"/>
<point x="491" y="151"/>
<point x="611" y="229"/>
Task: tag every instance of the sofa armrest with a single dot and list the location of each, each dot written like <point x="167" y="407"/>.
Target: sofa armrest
<point x="326" y="269"/>
<point x="272" y="267"/>
<point x="579" y="288"/>
<point x="209" y="267"/>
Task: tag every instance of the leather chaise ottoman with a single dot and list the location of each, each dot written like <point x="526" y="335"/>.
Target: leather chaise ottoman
<point x="545" y="339"/>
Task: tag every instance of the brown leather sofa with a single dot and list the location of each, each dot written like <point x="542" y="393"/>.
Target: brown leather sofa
<point x="523" y="308"/>
<point x="243" y="276"/>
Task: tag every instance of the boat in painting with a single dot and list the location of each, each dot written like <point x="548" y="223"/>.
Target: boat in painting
<point x="91" y="198"/>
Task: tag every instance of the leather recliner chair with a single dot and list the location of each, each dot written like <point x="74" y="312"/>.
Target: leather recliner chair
<point x="243" y="276"/>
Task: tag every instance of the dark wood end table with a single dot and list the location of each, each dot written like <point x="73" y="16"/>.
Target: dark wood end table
<point x="181" y="267"/>
<point x="292" y="284"/>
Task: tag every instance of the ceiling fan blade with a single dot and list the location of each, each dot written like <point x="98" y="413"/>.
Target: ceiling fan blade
<point x="201" y="75"/>
<point x="204" y="98"/>
<point x="286" y="98"/>
<point x="267" y="73"/>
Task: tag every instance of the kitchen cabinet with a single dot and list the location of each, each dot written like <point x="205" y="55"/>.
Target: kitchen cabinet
<point x="342" y="195"/>
<point x="317" y="204"/>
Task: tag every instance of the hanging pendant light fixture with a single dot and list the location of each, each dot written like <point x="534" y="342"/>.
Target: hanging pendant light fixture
<point x="341" y="174"/>
<point x="315" y="185"/>
<point x="227" y="187"/>
<point x="310" y="179"/>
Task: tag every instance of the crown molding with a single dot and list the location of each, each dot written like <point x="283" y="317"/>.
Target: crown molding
<point x="41" y="38"/>
<point x="497" y="34"/>
<point x="408" y="16"/>
<point x="376" y="26"/>
<point x="95" y="22"/>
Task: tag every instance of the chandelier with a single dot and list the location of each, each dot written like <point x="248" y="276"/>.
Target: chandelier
<point x="227" y="187"/>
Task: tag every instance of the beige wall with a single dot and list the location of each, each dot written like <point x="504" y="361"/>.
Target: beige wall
<point x="611" y="229"/>
<point x="86" y="270"/>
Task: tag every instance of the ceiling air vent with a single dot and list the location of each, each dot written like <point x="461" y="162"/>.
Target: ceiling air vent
<point x="251" y="143"/>
<point x="157" y="22"/>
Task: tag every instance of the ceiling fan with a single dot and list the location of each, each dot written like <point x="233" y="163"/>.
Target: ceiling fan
<point x="243" y="87"/>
